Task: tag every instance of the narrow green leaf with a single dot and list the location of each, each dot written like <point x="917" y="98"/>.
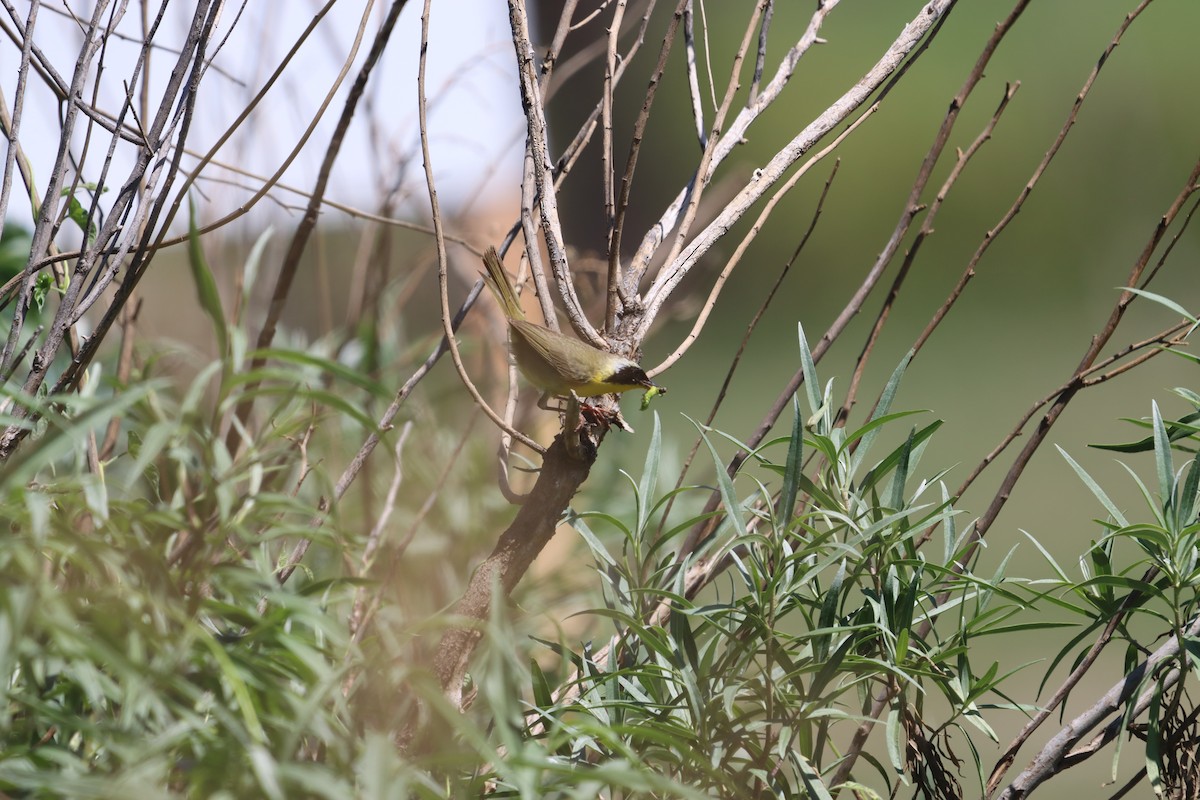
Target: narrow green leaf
<point x="795" y="461"/>
<point x="250" y="268"/>
<point x="906" y="607"/>
<point x="1163" y="460"/>
<point x="1187" y="394"/>
<point x="681" y="634"/>
<point x="901" y="476"/>
<point x="724" y="483"/>
<point x="63" y="434"/>
<point x="238" y="687"/>
<point x="1181" y="428"/>
<point x="1099" y="493"/>
<point x="812" y="387"/>
<point x="949" y="528"/>
<point x="321" y="397"/>
<point x="869" y="432"/>
<point x="1062" y="574"/>
<point x="206" y="285"/>
<point x="812" y="780"/>
<point x="1127" y="585"/>
<point x="1163" y="301"/>
<point x="829" y="605"/>
<point x="649" y="483"/>
<point x="1192" y="357"/>
<point x="79" y="215"/>
<point x="1186" y="508"/>
<point x="884" y="467"/>
<point x="334" y="368"/>
<point x="597" y="548"/>
<point x="895" y="734"/>
<point x="1154" y="743"/>
<point x="542" y="694"/>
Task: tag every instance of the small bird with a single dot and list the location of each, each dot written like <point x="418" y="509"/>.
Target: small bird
<point x="558" y="364"/>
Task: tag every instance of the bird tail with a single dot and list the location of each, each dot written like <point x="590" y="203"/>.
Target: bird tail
<point x="501" y="285"/>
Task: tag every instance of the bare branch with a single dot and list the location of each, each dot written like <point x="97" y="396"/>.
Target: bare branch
<point x="766" y="177"/>
<point x="534" y="525"/>
<point x="733" y="137"/>
<point x="126" y="229"/>
<point x="1051" y="760"/>
<point x="689" y="45"/>
<point x="543" y="169"/>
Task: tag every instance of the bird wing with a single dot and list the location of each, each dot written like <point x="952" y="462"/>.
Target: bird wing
<point x="567" y="355"/>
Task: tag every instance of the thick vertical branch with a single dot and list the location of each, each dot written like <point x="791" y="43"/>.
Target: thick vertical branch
<point x="559" y="480"/>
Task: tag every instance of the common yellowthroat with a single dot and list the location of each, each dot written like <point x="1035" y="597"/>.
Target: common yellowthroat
<point x="558" y="364"/>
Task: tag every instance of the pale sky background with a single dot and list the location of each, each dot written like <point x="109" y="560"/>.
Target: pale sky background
<point x="475" y="125"/>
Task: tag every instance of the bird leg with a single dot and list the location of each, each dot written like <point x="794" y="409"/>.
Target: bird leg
<point x="544" y="402"/>
<point x="586" y="407"/>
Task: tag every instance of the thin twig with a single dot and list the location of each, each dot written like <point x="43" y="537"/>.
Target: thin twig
<point x="1050" y="760"/>
<point x="1101" y="339"/>
<point x="607" y="156"/>
<point x="355" y="466"/>
<point x="533" y="250"/>
<point x="124" y="371"/>
<point x="560" y="38"/>
<point x="128" y="226"/>
<point x="760" y="57"/>
<point x="1098" y="342"/>
<point x="697" y="187"/>
<point x="440" y="242"/>
<point x="925" y="231"/>
<point x="12" y="127"/>
<point x="49" y="209"/>
<point x="357" y="619"/>
<point x="1089" y="379"/>
<point x="744" y="245"/>
<point x="1060" y="695"/>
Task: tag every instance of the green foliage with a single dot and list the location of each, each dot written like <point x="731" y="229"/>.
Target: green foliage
<point x="78" y="214"/>
<point x="1148" y="571"/>
<point x="206" y="285"/>
<point x="150" y="648"/>
<point x="741" y="691"/>
<point x="14" y="255"/>
<point x="144" y="637"/>
<point x="147" y="644"/>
